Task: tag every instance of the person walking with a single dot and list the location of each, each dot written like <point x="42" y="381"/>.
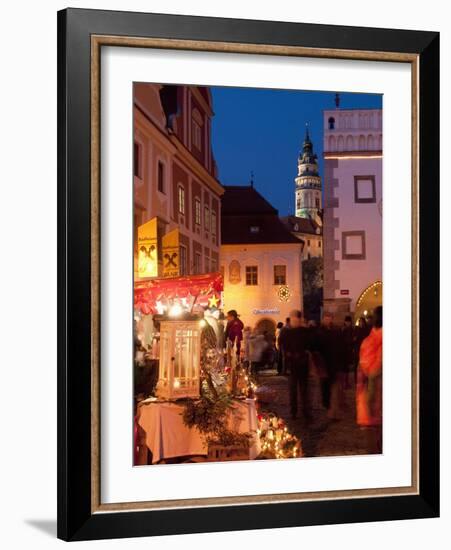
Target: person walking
<point x="295" y="342"/>
<point x="329" y="344"/>
<point x="279" y="328"/>
<point x="245" y="346"/>
<point x="348" y="334"/>
<point x="257" y="347"/>
<point x="234" y="330"/>
<point x="369" y="383"/>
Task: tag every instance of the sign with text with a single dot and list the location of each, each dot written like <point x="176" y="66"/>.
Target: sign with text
<point x="148" y="249"/>
<point x="171" y="247"/>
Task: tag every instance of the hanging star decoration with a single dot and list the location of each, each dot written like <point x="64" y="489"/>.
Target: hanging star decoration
<point x="213" y="301"/>
<point x="284" y="293"/>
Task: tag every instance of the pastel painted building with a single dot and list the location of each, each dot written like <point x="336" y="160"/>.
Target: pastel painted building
<point x="352" y="231"/>
<point x="260" y="260"/>
<point x="175" y="178"/>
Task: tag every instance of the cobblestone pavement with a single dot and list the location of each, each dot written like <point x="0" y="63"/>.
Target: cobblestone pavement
<point x="320" y="437"/>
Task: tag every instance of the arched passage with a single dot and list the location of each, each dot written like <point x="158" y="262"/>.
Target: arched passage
<point x="370" y="298"/>
<point x="266" y="325"/>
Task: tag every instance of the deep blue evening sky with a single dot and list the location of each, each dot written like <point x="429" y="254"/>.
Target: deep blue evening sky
<point x="262" y="131"/>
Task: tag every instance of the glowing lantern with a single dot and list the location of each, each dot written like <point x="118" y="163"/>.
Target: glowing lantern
<point x="179" y="360"/>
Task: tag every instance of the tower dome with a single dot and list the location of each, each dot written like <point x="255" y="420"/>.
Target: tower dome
<point x="308" y="182"/>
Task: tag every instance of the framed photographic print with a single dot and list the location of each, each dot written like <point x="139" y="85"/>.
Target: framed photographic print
<point x="248" y="274"/>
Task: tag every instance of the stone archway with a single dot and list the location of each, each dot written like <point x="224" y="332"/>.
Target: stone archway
<point x="266" y="325"/>
<point x="370" y="298"/>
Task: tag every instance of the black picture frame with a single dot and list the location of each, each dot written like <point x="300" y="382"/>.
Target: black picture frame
<point x="76" y="519"/>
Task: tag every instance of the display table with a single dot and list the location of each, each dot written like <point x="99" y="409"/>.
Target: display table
<point x="167" y="436"/>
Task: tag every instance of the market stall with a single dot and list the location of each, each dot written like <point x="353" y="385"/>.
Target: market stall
<point x="167" y="436"/>
<point x="203" y="400"/>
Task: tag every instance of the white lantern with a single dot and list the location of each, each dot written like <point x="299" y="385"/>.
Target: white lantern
<point x="179" y="374"/>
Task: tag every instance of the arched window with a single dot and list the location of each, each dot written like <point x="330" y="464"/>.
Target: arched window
<point x="370" y="142"/>
<point x="362" y="143"/>
<point x="349" y="143"/>
<point x="331" y="122"/>
<point x="332" y="143"/>
<point x="380" y="142"/>
<point x="340" y="143"/>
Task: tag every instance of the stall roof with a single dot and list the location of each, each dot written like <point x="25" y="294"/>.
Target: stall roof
<point x="164" y="290"/>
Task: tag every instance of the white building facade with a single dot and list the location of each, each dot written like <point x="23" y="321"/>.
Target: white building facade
<point x="352" y="231"/>
<point x="308" y="183"/>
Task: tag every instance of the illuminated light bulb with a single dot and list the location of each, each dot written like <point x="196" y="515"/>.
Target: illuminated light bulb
<point x="160" y="308"/>
<point x="175" y="311"/>
<point x="176" y="383"/>
<point x="202" y="323"/>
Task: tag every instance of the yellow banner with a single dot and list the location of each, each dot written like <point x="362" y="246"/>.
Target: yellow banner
<point x="171" y="259"/>
<point x="148" y="249"/>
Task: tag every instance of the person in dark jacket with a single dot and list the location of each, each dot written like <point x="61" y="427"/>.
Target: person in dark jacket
<point x="295" y="342"/>
<point x="234" y="330"/>
<point x="278" y="348"/>
<point x="348" y="333"/>
<point x="329" y="343"/>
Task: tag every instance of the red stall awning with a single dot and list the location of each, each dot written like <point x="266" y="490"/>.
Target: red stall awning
<point x="201" y="290"/>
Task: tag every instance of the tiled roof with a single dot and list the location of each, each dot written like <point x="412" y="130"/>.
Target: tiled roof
<point x="248" y="218"/>
<point x="301" y="225"/>
<point x="240" y="199"/>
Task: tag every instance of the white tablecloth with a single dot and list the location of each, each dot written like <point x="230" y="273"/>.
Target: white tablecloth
<point x="168" y="437"/>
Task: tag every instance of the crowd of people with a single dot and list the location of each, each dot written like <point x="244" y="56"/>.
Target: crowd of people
<point x="341" y="357"/>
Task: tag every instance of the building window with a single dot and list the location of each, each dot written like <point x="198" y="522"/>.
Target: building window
<point x="364" y="189"/>
<point x="197" y="135"/>
<point x="197" y="215"/>
<point x="308" y="242"/>
<point x="207" y="264"/>
<point x="183" y="260"/>
<point x="353" y="245"/>
<point x="214" y="265"/>
<point x="316" y="202"/>
<point x="251" y="275"/>
<point x="197" y="263"/>
<point x="161" y="186"/>
<point x="298" y="203"/>
<point x="331" y="122"/>
<point x="319" y="244"/>
<point x="181" y="199"/>
<point x="280" y="274"/>
<point x="207" y="218"/>
<point x="137" y="160"/>
<point x="213" y="223"/>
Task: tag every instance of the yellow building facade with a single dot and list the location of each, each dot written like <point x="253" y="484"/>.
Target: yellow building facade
<point x="261" y="260"/>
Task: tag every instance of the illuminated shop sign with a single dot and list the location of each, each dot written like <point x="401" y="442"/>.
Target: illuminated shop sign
<point x="268" y="311"/>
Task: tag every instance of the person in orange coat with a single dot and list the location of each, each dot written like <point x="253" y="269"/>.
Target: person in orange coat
<point x="369" y="378"/>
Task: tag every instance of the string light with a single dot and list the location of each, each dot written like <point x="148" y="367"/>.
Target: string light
<point x="275" y="439"/>
<point x="176" y="310"/>
<point x="365" y="292"/>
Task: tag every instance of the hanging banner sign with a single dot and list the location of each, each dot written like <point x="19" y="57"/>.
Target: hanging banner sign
<point x="148" y="249"/>
<point x="171" y="254"/>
